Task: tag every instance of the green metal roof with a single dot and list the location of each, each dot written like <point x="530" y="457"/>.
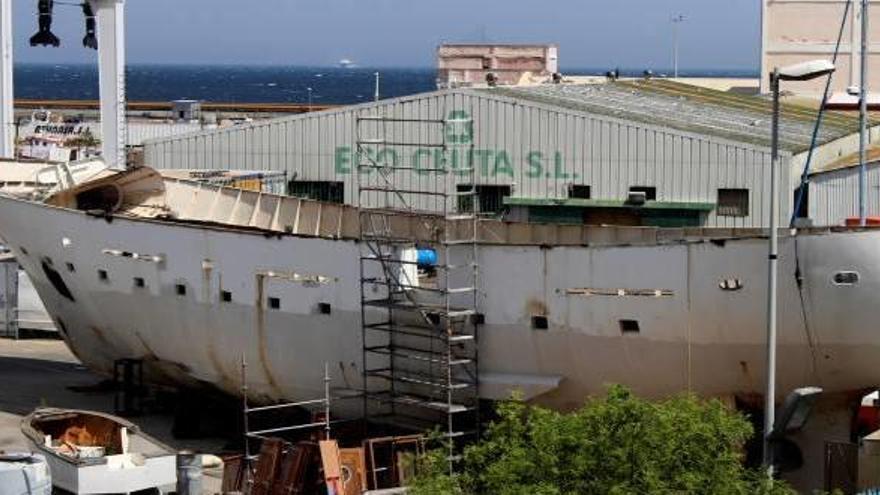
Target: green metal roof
<point x="607" y="203"/>
<point x="693" y="109"/>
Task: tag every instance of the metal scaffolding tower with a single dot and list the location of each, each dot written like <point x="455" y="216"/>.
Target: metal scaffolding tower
<point x="420" y="323"/>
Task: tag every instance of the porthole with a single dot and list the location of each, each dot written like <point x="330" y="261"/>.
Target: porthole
<point x="846" y="278"/>
<point x="731" y="284"/>
<point x="539" y="322"/>
<point x="56" y="280"/>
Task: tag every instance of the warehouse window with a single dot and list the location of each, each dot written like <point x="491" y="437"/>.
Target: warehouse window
<point x="490" y="199"/>
<point x="579" y="191"/>
<point x="650" y="192"/>
<point x="331" y="192"/>
<point x="733" y="202"/>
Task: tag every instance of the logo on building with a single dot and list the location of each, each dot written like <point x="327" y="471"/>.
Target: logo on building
<point x="459" y="128"/>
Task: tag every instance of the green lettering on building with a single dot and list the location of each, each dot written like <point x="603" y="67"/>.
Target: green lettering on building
<point x="418" y="161"/>
<point x="502" y="164"/>
<point x="342" y="158"/>
<point x="460" y="156"/>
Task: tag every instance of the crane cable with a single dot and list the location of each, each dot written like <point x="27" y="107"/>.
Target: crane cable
<point x="805" y="177"/>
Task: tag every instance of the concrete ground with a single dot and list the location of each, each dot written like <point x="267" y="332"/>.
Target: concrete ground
<point x="35" y="373"/>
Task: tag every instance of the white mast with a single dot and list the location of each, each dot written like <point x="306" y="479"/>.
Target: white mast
<point x="111" y="68"/>
<point x="7" y="118"/>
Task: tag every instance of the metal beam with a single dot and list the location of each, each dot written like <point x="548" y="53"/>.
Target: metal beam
<point x="111" y="69"/>
<point x="7" y="117"/>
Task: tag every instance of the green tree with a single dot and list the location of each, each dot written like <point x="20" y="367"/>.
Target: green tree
<point x="618" y="444"/>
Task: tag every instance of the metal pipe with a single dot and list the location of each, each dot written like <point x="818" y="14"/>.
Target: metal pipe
<point x="772" y="262"/>
<point x="863" y="119"/>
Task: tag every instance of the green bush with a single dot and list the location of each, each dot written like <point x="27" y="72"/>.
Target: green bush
<point x="619" y="444"/>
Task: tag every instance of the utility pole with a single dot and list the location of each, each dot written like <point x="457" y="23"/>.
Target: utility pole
<point x="863" y="120"/>
<point x="676" y="20"/>
<point x="111" y="72"/>
<point x="7" y="110"/>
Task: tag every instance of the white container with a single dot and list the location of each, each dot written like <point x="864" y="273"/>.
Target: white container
<point x="24" y="474"/>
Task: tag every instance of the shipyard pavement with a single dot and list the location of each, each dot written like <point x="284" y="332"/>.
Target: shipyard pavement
<point x="43" y="372"/>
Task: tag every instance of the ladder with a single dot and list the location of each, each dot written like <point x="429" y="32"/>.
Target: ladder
<point x="420" y="325"/>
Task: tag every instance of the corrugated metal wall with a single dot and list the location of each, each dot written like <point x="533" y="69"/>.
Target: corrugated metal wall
<point x="834" y="196"/>
<point x="537" y="150"/>
<point x="138" y="132"/>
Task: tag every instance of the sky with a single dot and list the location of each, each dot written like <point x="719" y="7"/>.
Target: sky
<point x="716" y="34"/>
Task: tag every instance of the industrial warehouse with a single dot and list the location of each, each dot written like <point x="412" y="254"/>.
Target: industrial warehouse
<point x="357" y="296"/>
<point x="554" y="153"/>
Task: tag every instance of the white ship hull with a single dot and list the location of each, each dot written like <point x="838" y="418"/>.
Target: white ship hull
<point x="695" y="335"/>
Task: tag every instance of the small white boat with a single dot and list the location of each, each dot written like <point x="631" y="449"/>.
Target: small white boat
<point x="91" y="453"/>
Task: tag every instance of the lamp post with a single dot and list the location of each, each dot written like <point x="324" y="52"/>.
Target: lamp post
<point x="376" y="93"/>
<point x="676" y="20"/>
<point x="7" y="114"/>
<point x="863" y="118"/>
<point x="800" y="72"/>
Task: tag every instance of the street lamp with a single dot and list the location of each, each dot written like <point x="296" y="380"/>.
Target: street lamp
<point x="376" y="94"/>
<point x="676" y="20"/>
<point x="799" y="72"/>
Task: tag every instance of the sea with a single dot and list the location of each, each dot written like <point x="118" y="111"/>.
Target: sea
<point x="255" y="84"/>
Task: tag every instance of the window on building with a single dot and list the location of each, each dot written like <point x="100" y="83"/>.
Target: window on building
<point x="180" y="289"/>
<point x="733" y="202"/>
<point x="225" y="296"/>
<point x="274" y="303"/>
<point x="579" y="191"/>
<point x="331" y="192"/>
<point x="650" y="192"/>
<point x="490" y="199"/>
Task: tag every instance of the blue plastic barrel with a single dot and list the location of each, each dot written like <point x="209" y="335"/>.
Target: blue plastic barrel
<point x="427" y="258"/>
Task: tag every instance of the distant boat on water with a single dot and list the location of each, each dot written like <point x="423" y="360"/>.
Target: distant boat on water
<point x="346" y="63"/>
